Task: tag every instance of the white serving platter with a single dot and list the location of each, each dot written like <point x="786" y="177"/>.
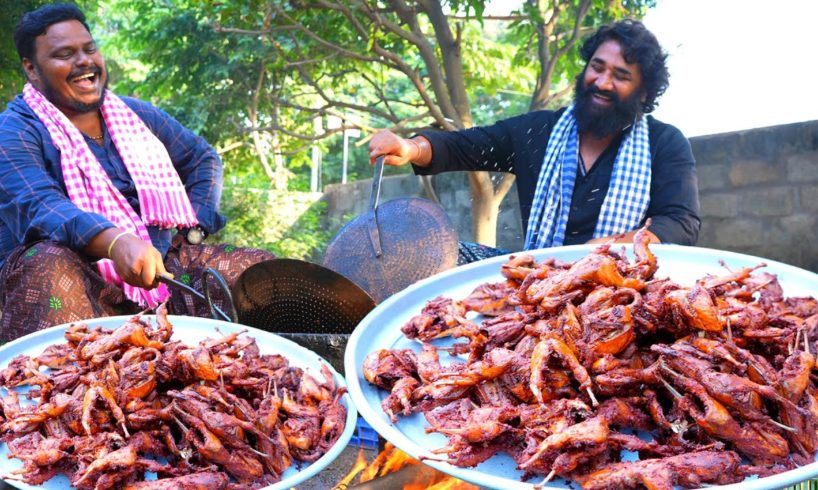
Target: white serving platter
<point x="380" y="329"/>
<point x="191" y="331"/>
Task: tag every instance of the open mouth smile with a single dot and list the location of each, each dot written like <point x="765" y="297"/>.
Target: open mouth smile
<point x="86" y="81"/>
<point x="602" y="99"/>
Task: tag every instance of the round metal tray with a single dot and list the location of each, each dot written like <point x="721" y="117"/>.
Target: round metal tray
<point x="381" y="330"/>
<point x="191" y="331"/>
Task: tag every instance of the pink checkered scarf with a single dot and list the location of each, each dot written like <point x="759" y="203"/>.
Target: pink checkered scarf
<point x="163" y="201"/>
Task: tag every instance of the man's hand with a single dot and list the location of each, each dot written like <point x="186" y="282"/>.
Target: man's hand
<point x="137" y="262"/>
<point x="624" y="238"/>
<point x="400" y="151"/>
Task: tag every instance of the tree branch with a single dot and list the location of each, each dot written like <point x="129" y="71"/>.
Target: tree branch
<point x="230" y="147"/>
<point x="548" y="60"/>
<point x="323" y="42"/>
<point x="449" y="45"/>
<point x="418" y="83"/>
<point x="500" y="18"/>
<point x="427" y="53"/>
<point x="307" y="79"/>
<point x="250" y="32"/>
<point x="252" y="111"/>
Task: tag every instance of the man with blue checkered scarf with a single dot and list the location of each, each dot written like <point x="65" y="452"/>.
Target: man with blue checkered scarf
<point x="593" y="171"/>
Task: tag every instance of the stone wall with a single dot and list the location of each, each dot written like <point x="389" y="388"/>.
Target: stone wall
<point x="758" y="191"/>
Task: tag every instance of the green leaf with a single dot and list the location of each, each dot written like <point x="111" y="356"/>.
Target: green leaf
<point x="234" y="70"/>
<point x="55" y="303"/>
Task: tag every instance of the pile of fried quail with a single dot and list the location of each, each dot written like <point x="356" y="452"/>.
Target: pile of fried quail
<point x="109" y="406"/>
<point x="571" y="367"/>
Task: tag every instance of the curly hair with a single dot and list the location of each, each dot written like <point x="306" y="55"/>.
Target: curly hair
<point x="36" y="22"/>
<point x="639" y="46"/>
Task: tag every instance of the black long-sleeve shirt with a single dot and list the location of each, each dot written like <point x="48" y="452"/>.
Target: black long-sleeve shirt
<point x="517" y="145"/>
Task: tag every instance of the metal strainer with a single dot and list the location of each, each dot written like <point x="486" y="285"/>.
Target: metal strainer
<point x="394" y="245"/>
<point x="295" y="296"/>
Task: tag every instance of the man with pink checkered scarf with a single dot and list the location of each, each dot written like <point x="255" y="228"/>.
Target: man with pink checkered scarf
<point x="98" y="194"/>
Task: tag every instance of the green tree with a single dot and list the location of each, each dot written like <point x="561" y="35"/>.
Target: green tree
<point x="218" y="84"/>
<point x="259" y="78"/>
<point x="407" y="65"/>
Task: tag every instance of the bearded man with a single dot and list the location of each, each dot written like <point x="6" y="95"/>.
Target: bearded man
<point x="93" y="189"/>
<point x="592" y="172"/>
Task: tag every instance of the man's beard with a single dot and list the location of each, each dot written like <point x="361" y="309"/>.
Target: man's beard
<point x="604" y="121"/>
<point x="72" y="104"/>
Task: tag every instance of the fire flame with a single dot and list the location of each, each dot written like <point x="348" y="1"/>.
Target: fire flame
<point x="392" y="459"/>
<point x="360" y="464"/>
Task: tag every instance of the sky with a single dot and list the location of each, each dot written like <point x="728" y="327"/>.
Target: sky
<point x="737" y="64"/>
<point x="734" y="64"/>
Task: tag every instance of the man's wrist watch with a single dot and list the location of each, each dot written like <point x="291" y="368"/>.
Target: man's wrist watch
<point x="194" y="235"/>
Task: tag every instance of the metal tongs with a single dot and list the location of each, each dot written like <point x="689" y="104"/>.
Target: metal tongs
<point x="215" y="311"/>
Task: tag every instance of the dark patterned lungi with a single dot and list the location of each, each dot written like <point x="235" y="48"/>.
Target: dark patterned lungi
<point x="469" y="252"/>
<point x="48" y="284"/>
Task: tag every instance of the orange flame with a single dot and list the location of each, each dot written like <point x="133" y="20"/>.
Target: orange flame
<point x="360" y="464"/>
<point x="392" y="459"/>
<point x="396" y="459"/>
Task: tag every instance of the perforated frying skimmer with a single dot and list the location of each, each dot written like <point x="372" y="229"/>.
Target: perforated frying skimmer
<point x="395" y="244"/>
<point x="295" y="296"/>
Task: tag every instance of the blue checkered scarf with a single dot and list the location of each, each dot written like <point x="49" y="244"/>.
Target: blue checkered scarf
<point x="628" y="195"/>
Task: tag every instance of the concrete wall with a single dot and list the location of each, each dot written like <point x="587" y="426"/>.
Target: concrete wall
<point x="758" y="190"/>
